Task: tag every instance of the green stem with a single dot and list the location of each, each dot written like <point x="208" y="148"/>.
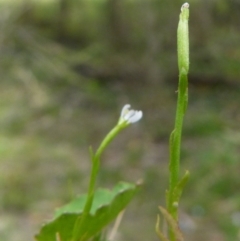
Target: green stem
<point x="110" y="136"/>
<point x="176" y="143"/>
<point x="80" y="224"/>
<point x="175" y="138"/>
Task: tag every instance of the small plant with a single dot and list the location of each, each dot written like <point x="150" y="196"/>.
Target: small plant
<point x="85" y="217"/>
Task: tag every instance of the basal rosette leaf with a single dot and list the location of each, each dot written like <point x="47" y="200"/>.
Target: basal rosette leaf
<point x="106" y="206"/>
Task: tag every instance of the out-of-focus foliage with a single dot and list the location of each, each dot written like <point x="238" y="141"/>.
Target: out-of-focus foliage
<point x="124" y="36"/>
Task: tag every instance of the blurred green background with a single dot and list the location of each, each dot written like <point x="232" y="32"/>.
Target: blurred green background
<point x="67" y="68"/>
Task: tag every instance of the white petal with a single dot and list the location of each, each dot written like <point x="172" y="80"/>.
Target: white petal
<point x="135" y="117"/>
<point x="125" y="110"/>
<point x="128" y="115"/>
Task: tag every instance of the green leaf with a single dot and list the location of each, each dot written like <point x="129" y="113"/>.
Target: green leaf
<point x="106" y="206"/>
<point x="180" y="186"/>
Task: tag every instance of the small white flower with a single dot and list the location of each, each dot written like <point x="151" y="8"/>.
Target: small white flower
<point x="130" y="116"/>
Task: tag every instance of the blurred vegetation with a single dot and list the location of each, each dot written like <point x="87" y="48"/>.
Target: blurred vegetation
<point x="68" y="66"/>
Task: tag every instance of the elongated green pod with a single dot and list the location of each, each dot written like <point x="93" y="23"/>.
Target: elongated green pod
<point x="183" y="42"/>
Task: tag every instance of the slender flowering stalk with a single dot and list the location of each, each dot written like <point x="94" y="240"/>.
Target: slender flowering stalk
<point x="175" y="185"/>
<point x="127" y="117"/>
